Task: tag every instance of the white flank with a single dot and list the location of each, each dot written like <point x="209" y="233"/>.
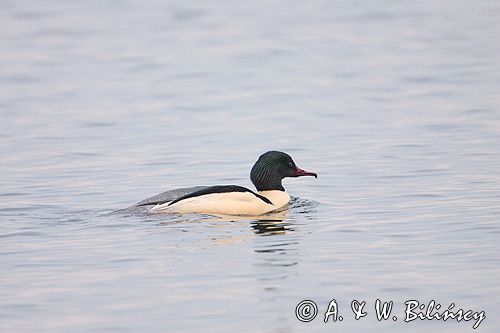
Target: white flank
<point x="232" y="203"/>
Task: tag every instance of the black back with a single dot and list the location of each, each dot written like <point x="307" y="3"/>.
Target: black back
<point x="211" y="190"/>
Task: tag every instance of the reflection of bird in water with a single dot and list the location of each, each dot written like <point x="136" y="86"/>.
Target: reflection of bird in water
<point x="268" y="224"/>
<point x="269" y="227"/>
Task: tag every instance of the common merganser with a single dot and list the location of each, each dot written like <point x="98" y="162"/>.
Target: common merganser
<point x="266" y="174"/>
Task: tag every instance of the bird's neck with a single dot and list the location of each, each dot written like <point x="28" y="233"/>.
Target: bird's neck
<point x="270" y="186"/>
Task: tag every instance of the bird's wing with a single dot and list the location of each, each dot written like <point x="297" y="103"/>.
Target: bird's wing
<point x="169" y="196"/>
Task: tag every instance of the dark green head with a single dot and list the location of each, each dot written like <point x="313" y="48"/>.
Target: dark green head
<point x="270" y="169"/>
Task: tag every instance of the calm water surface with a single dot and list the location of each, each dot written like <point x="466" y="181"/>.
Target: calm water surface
<point x="394" y="104"/>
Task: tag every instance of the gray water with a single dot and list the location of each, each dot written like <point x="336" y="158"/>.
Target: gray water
<point x="394" y="104"/>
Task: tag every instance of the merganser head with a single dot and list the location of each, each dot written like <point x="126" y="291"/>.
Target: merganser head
<point x="271" y="167"/>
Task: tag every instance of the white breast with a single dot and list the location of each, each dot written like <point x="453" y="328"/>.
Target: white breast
<point x="232" y="203"/>
<point x="278" y="198"/>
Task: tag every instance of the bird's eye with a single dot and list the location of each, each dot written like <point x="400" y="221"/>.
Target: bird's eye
<point x="290" y="165"/>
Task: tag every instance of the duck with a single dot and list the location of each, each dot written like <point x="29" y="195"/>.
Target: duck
<point x="266" y="175"/>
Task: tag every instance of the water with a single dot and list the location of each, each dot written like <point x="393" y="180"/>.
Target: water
<point x="395" y="105"/>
